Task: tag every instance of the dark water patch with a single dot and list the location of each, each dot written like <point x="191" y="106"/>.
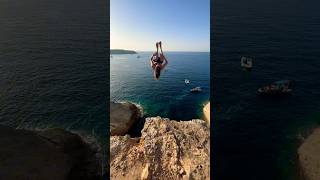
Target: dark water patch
<point x="135" y="130"/>
<point x="256" y="137"/>
<point x="53" y="66"/>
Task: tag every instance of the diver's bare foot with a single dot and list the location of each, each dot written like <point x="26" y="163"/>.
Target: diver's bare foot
<point x="160" y="43"/>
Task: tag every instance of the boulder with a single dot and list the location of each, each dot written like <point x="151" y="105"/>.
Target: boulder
<point x="53" y="154"/>
<point x="122" y="117"/>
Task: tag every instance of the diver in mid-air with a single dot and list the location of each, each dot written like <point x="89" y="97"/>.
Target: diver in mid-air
<point x="158" y="61"/>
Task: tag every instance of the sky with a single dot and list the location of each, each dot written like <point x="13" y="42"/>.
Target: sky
<point x="181" y="25"/>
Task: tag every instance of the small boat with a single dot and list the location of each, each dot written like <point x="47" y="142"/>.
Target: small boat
<point x="196" y="89"/>
<point x="186" y="81"/>
<point x="277" y="88"/>
<point x="138" y="56"/>
<point x="247" y="63"/>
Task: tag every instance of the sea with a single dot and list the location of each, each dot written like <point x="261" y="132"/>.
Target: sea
<point x="131" y="79"/>
<point x="256" y="137"/>
<point x="53" y="65"/>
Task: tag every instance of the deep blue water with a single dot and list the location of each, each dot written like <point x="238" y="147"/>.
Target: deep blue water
<point x="131" y="79"/>
<point x="255" y="137"/>
<point x="53" y="64"/>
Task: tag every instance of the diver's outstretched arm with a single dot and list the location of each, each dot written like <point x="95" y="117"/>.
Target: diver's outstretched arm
<point x="164" y="64"/>
<point x="151" y="63"/>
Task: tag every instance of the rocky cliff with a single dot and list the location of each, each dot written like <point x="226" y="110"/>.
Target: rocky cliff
<point x="206" y="112"/>
<point x="309" y="156"/>
<point x="167" y="149"/>
<point x="53" y="154"/>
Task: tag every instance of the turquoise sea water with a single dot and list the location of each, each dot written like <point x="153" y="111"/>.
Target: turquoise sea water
<point x="131" y="79"/>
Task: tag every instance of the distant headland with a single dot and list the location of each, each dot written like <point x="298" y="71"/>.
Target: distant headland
<point x="122" y="51"/>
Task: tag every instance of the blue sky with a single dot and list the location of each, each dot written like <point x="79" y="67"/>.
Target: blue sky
<point x="182" y="25"/>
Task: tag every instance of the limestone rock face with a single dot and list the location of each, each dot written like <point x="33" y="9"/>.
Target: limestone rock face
<point x="206" y="111"/>
<point x="122" y="117"/>
<point x="52" y="154"/>
<point x="167" y="149"/>
<point x="309" y="156"/>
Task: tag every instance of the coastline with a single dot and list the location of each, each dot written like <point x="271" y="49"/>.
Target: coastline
<point x="309" y="156"/>
<point x="121" y="51"/>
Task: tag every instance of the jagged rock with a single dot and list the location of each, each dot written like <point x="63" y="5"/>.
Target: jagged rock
<point x="122" y="117"/>
<point x="167" y="149"/>
<point x="53" y="154"/>
<point x="206" y="112"/>
<point x="309" y="156"/>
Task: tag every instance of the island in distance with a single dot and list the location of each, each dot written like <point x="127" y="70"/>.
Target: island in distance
<point x="122" y="51"/>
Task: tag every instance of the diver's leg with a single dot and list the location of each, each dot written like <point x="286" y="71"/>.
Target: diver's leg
<point x="157" y="45"/>
<point x="160" y="44"/>
<point x="161" y="54"/>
